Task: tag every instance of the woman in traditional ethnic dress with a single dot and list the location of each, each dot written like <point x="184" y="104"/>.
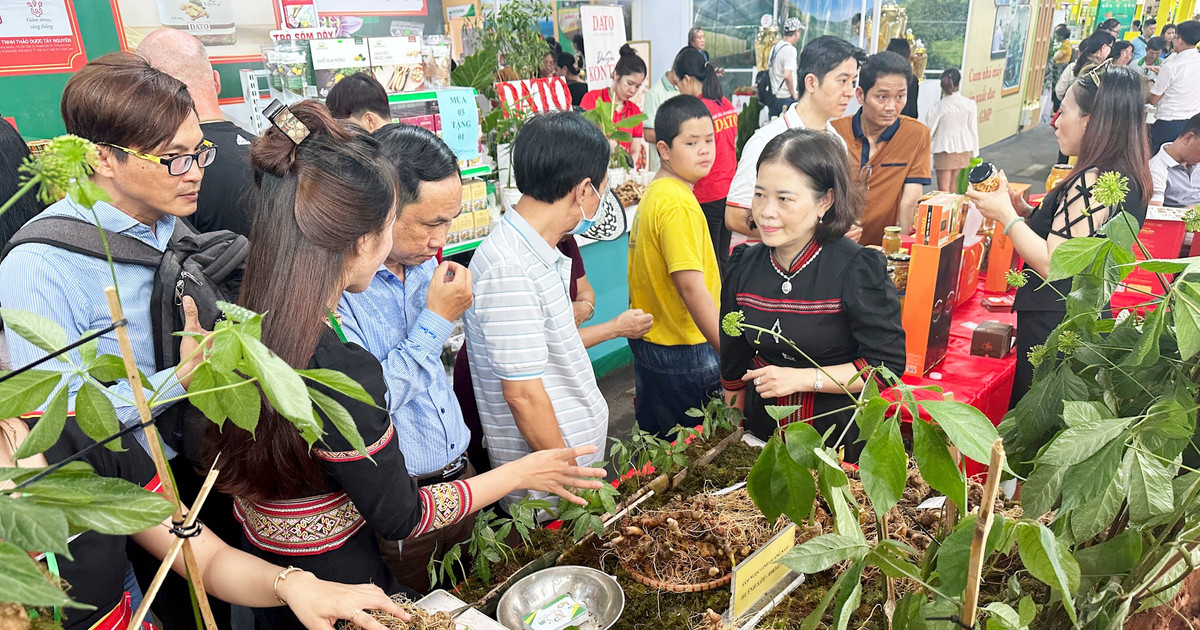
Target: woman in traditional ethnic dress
<point x="96" y="570"/>
<point x="325" y="207"/>
<point x="807" y="282"/>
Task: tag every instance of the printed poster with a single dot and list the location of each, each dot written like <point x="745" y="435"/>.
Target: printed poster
<point x="372" y="7"/>
<point x="39" y="37"/>
<point x="231" y="30"/>
<point x="603" y="35"/>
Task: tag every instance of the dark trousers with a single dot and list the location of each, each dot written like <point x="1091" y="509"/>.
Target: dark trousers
<point x="714" y="213"/>
<point x="409" y="563"/>
<point x="1033" y="328"/>
<point x="1164" y="131"/>
<point x="670" y="380"/>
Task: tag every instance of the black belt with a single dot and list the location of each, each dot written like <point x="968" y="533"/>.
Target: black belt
<point x="452" y="472"/>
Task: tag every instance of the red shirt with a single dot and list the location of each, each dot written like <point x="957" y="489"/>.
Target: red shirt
<point x="715" y="185"/>
<point x="589" y="103"/>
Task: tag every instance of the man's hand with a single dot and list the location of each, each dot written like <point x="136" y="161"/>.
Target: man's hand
<point x="633" y="323"/>
<point x="189" y="357"/>
<point x="450" y="291"/>
<point x="583" y="311"/>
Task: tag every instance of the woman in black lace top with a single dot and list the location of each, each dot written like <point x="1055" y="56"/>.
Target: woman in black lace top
<point x="1103" y="123"/>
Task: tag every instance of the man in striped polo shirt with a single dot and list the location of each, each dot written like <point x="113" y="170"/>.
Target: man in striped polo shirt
<point x="532" y="377"/>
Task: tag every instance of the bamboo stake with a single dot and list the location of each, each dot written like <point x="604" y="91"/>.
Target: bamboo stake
<point x="983" y="525"/>
<point x="160" y="463"/>
<point x="169" y="560"/>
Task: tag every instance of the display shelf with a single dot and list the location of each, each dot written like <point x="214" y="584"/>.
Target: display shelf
<point x="458" y="248"/>
<point x="477" y="171"/>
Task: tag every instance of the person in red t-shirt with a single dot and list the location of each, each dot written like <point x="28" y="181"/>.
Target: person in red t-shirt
<point x="697" y="77"/>
<point x="628" y="76"/>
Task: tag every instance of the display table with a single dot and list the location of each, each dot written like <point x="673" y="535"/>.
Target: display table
<point x="982" y="382"/>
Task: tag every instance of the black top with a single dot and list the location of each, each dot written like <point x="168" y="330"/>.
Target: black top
<point x="910" y="106"/>
<point x="224" y="202"/>
<point x="842" y="308"/>
<point x="577" y="91"/>
<point x="97" y="572"/>
<point x="1033" y="298"/>
<point x="382" y="491"/>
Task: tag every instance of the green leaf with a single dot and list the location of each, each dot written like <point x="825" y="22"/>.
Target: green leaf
<point x="883" y="467"/>
<point x="1168" y="419"/>
<point x="1113" y="557"/>
<point x="110" y="368"/>
<point x="1122" y="231"/>
<point x="242" y="403"/>
<point x="33" y="527"/>
<point x="631" y="121"/>
<point x="848" y="598"/>
<point x="1081" y="441"/>
<point x="26" y="392"/>
<point x="822" y="552"/>
<point x="1150" y="490"/>
<point x="1040" y="491"/>
<point x="778" y="412"/>
<point x="813" y="620"/>
<point x="203" y="380"/>
<point x="1003" y="615"/>
<point x="341" y="419"/>
<point x="238" y="314"/>
<point x="870" y="416"/>
<point x="1046" y="561"/>
<point x="1076" y="412"/>
<point x="42" y="332"/>
<point x="49" y="427"/>
<point x="1162" y="266"/>
<point x="801" y="439"/>
<point x="96" y="416"/>
<point x="891" y="557"/>
<point x="23" y="582"/>
<point x="478" y="71"/>
<point x="225" y="351"/>
<point x="1187" y="319"/>
<point x="105" y="504"/>
<point x="87" y="352"/>
<point x="282" y="386"/>
<point x="1028" y="610"/>
<point x="70" y="470"/>
<point x="953" y="555"/>
<point x="1146" y="352"/>
<point x="935" y="463"/>
<point x="836" y="476"/>
<point x="778" y="485"/>
<point x="339" y="383"/>
<point x="1073" y="256"/>
<point x="968" y="429"/>
<point x="1089" y="479"/>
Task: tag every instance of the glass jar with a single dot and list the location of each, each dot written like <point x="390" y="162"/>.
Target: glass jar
<point x="898" y="270"/>
<point x="985" y="177"/>
<point x="891" y="239"/>
<point x="1057" y="174"/>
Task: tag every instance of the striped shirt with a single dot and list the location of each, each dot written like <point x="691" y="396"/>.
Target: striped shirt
<point x="68" y="288"/>
<point x="390" y="320"/>
<point x="522" y="327"/>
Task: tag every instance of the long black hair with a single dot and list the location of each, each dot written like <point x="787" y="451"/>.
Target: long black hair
<point x="12" y="153"/>
<point x="1115" y="138"/>
<point x="690" y="63"/>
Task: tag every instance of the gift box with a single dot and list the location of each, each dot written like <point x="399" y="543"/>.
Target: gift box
<point x="1001" y="258"/>
<point x="992" y="339"/>
<point x="937" y="218"/>
<point x="929" y="304"/>
<point x="968" y="276"/>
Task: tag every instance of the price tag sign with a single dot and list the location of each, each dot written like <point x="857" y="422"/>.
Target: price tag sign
<point x="460" y="122"/>
<point x="757" y="574"/>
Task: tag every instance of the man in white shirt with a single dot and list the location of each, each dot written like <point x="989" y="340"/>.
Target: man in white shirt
<point x="781" y="68"/>
<point x="1173" y="169"/>
<point x="658" y="94"/>
<point x="1176" y="92"/>
<point x="828" y="66"/>
<point x="532" y="377"/>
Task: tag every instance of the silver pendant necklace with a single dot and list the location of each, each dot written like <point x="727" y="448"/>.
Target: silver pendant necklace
<point x="786" y="287"/>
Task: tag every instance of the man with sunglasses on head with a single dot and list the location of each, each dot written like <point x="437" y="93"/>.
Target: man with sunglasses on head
<point x="224" y="200"/>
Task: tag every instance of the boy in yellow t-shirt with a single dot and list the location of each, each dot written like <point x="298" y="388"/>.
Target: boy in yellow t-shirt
<point x="673" y="274"/>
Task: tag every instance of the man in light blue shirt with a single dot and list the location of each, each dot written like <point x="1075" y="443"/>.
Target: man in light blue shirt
<point x="151" y="172"/>
<point x="404" y="318"/>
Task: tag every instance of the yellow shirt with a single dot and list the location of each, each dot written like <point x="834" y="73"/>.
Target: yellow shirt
<point x="670" y="234"/>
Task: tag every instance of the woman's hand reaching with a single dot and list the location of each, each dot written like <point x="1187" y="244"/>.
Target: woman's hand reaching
<point x="553" y="471"/>
<point x="319" y="604"/>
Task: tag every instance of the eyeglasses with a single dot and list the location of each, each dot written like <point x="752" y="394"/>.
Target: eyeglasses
<point x="1096" y="73"/>
<point x="176" y="165"/>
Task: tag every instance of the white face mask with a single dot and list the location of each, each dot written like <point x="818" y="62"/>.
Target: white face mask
<point x="585" y="223"/>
